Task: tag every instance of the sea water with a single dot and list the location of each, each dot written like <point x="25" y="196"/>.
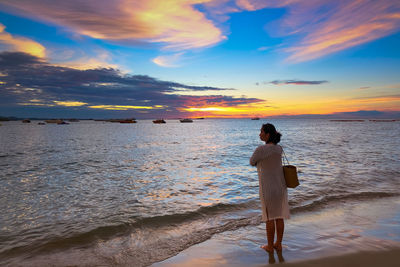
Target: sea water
<point x="100" y="193"/>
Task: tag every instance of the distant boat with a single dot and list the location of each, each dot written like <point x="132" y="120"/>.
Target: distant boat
<point x="62" y="122"/>
<point x="382" y="120"/>
<point x="186" y="120"/>
<point x="122" y="120"/>
<point x="53" y="121"/>
<point x="113" y="120"/>
<point x="255" y="119"/>
<point x="127" y="121"/>
<point x="26" y="121"/>
<point x="199" y="118"/>
<point x="41" y="123"/>
<point x="346" y="120"/>
<point x="159" y="121"/>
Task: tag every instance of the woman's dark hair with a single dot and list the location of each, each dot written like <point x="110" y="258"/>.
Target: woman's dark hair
<point x="274" y="136"/>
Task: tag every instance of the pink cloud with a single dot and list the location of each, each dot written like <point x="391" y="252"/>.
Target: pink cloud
<point x="175" y="23"/>
<point x="348" y="24"/>
<point x="327" y="26"/>
<point x="168" y="60"/>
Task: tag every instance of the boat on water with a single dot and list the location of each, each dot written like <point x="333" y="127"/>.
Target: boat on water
<point x="159" y="121"/>
<point x="186" y="120"/>
<point x="255" y="119"/>
<point x="26" y="121"/>
<point x="53" y="121"/>
<point x="346" y="120"/>
<point x="388" y="120"/>
<point x="113" y="120"/>
<point x="121" y="120"/>
<point x="62" y="122"/>
<point x="127" y="121"/>
<point x="41" y="123"/>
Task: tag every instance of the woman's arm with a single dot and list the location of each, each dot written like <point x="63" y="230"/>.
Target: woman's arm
<point x="257" y="155"/>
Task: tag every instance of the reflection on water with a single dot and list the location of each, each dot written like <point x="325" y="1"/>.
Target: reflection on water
<point x="271" y="256"/>
<point x="280" y="256"/>
<point x="64" y="182"/>
<point x="310" y="235"/>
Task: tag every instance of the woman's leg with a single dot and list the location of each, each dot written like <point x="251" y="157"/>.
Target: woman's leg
<point x="280" y="228"/>
<point x="270" y="228"/>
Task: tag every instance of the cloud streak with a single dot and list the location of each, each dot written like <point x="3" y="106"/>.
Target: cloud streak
<point x="297" y="82"/>
<point x="174" y="23"/>
<point x="170" y="61"/>
<point x="325" y="27"/>
<point x="380" y="98"/>
<point x="346" y="24"/>
<point x="31" y="81"/>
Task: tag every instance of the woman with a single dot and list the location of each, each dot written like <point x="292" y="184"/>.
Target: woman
<point x="273" y="191"/>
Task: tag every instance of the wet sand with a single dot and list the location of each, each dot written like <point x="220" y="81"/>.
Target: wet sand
<point x="388" y="258"/>
<point x="348" y="233"/>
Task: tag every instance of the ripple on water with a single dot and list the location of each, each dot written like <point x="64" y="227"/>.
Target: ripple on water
<point x="54" y="181"/>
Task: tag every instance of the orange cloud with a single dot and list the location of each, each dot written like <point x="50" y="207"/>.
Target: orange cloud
<point x="21" y="44"/>
<point x="217" y="106"/>
<point x="176" y="23"/>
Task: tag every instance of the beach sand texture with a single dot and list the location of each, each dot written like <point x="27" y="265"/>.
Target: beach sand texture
<point x="349" y="234"/>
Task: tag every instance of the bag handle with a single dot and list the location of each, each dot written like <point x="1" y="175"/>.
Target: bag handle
<point x="285" y="157"/>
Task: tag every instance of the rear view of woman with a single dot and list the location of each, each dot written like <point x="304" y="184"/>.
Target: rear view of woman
<point x="272" y="186"/>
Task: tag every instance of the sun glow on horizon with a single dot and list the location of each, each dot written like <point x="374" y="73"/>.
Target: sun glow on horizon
<point x="240" y="111"/>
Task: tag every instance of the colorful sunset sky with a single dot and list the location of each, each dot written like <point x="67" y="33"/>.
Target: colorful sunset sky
<point x="198" y="58"/>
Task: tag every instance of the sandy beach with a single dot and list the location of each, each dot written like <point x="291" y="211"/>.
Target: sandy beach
<point x="348" y="233"/>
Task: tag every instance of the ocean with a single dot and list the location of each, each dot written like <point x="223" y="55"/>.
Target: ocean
<point x="100" y="193"/>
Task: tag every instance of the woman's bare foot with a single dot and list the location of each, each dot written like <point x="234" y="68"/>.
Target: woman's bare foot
<point x="278" y="246"/>
<point x="268" y="249"/>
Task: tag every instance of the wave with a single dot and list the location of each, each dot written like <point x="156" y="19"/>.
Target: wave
<point x="173" y="233"/>
<point x="123" y="229"/>
<point x="191" y="215"/>
<point x="322" y="201"/>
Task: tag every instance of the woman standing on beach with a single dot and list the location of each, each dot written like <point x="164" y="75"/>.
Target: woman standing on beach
<point x="272" y="186"/>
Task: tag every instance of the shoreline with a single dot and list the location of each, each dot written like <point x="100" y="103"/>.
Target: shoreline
<point x="349" y="233"/>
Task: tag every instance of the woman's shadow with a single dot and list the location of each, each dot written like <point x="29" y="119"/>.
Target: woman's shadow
<point x="271" y="257"/>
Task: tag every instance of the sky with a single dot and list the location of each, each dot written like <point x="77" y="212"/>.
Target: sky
<point x="198" y="58"/>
